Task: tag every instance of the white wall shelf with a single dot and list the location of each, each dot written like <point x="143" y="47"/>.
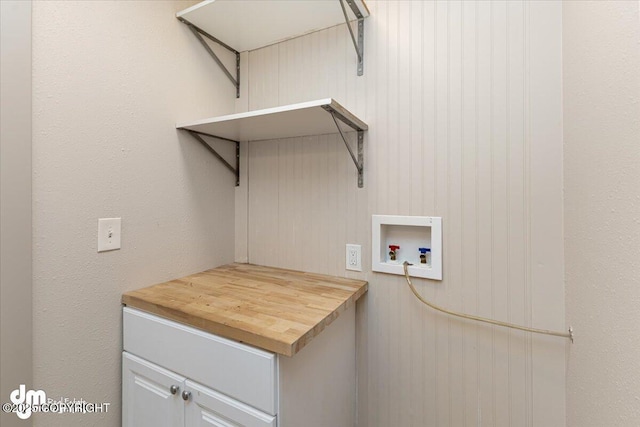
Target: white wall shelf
<point x="304" y="119"/>
<point x="409" y="233"/>
<point x="251" y="24"/>
<point x="289" y="121"/>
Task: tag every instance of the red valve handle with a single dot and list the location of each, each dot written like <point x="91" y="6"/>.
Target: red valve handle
<point x="394" y="247"/>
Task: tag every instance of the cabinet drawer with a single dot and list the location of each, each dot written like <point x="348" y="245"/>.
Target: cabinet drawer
<point x="243" y="372"/>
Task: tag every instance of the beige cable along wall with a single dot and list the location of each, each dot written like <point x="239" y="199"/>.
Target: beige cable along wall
<point x="482" y="319"/>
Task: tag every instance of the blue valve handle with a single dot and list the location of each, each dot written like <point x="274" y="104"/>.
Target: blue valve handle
<point x="424" y="250"/>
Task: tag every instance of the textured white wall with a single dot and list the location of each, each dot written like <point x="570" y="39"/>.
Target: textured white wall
<point x="601" y="42"/>
<point x="15" y="203"/>
<point x="110" y="79"/>
<point x="463" y="101"/>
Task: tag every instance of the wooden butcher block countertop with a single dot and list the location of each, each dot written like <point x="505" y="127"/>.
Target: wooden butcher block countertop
<point x="271" y="308"/>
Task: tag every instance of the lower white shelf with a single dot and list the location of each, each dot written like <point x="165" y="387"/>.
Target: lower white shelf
<point x="288" y="121"/>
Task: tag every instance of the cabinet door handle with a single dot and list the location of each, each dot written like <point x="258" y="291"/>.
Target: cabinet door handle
<point x="174" y="389"/>
<point x="186" y="395"/>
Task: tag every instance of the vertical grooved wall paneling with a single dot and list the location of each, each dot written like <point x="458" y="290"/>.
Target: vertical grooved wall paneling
<point x="462" y="100"/>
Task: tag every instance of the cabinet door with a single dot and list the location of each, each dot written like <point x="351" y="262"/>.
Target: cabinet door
<point x="147" y="398"/>
<point x="208" y="408"/>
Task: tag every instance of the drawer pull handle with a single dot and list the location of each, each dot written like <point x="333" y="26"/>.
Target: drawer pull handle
<point x="186" y="395"/>
<point x="174" y="389"/>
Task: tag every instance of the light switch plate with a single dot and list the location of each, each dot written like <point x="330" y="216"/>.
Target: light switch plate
<point x="354" y="257"/>
<point x="109" y="234"/>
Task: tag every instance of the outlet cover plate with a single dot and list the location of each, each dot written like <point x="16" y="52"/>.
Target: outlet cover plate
<point x="354" y="257"/>
<point x="109" y="234"/>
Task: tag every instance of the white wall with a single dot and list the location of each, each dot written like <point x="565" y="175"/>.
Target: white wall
<point x="110" y="79"/>
<point x="601" y="42"/>
<point x="15" y="203"/>
<point x="463" y="101"/>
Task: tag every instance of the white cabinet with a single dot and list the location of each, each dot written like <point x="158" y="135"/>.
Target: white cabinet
<point x="175" y="375"/>
<point x="242" y="372"/>
<point x="156" y="397"/>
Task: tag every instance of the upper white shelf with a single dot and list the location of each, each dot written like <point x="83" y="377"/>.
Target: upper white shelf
<point x="304" y="119"/>
<point x="252" y="24"/>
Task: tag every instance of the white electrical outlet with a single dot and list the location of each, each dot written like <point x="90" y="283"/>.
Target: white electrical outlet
<point x="108" y="234"/>
<point x="354" y="257"/>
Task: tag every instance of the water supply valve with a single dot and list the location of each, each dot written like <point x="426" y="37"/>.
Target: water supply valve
<point x="424" y="254"/>
<point x="393" y="250"/>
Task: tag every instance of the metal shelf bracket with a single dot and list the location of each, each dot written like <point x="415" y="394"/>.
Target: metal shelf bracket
<point x="235" y="170"/>
<point x="358" y="158"/>
<point x="198" y="33"/>
<point x="358" y="45"/>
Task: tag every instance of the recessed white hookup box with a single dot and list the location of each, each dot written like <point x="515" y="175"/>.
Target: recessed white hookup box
<point x="415" y="236"/>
